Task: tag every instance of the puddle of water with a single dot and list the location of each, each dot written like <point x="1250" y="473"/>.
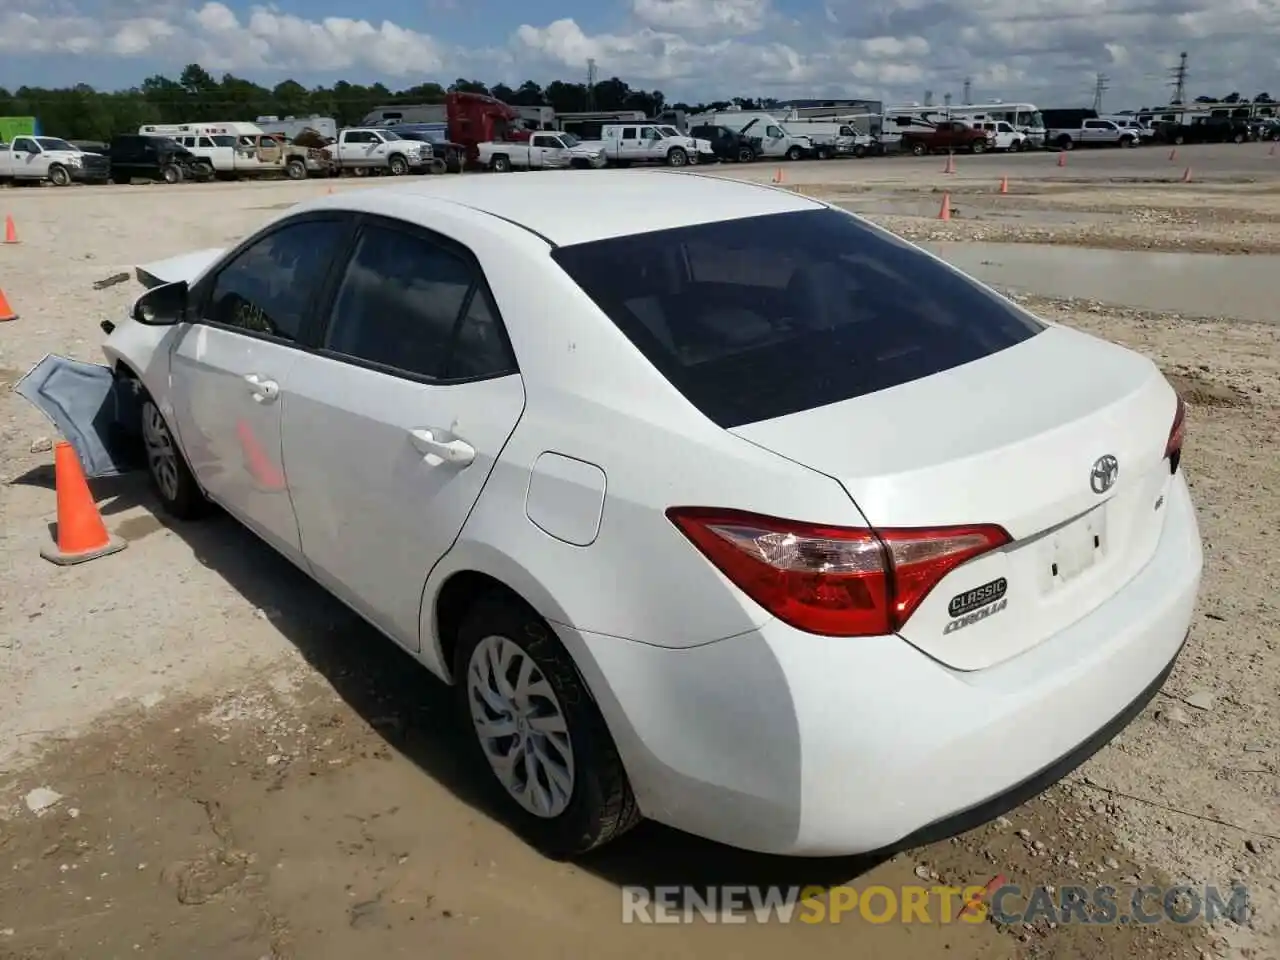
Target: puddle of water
<point x="1195" y="284"/>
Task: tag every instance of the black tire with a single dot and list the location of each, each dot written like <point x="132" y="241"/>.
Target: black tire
<point x="398" y="165"/>
<point x="677" y="157"/>
<point x="178" y="492"/>
<point x="59" y="176"/>
<point x="1066" y="143"/>
<point x="746" y="155"/>
<point x="824" y="153"/>
<point x="501" y="164"/>
<point x="295" y="170"/>
<point x="978" y="147"/>
<point x="1179" y="140"/>
<point x="601" y="804"/>
<point x="918" y="149"/>
<point x="171" y="173"/>
<point x="795" y="153"/>
<point x="860" y="151"/>
<point x="121" y="179"/>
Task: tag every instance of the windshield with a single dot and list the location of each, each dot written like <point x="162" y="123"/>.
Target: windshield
<point x="390" y="135"/>
<point x="1037" y="120"/>
<point x="569" y="139"/>
<point x="669" y="131"/>
<point x="53" y="143"/>
<point x="760" y="317"/>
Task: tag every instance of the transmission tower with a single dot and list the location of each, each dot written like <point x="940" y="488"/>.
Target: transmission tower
<point x="968" y="89"/>
<point x="1179" y="81"/>
<point x="591" y="84"/>
<point x="1100" y="86"/>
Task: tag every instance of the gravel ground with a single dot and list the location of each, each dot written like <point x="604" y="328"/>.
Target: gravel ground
<point x="244" y="769"/>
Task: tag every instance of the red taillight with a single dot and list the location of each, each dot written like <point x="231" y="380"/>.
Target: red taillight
<point x="1173" y="449"/>
<point x="835" y="581"/>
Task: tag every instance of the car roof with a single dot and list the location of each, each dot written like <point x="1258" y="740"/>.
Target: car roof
<point x="579" y="206"/>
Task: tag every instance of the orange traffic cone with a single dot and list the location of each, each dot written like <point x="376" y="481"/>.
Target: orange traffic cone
<point x="779" y="176"/>
<point x="944" y="213"/>
<point x="1186" y="175"/>
<point x="1173" y="154"/>
<point x="951" y="164"/>
<point x="81" y="533"/>
<point x="6" y="311"/>
<point x="10" y="231"/>
<point x="1062" y="158"/>
<point x="1004" y="184"/>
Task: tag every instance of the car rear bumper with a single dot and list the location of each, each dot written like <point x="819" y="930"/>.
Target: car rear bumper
<point x="788" y="743"/>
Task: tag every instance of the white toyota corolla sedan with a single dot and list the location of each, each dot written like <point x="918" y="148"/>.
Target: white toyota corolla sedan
<point x="718" y="505"/>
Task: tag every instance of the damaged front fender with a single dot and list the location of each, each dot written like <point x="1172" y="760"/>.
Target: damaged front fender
<point x="96" y="411"/>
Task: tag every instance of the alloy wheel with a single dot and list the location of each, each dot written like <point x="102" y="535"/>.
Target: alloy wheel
<point x="521" y="727"/>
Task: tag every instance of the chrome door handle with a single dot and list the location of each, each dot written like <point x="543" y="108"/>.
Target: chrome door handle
<point x="264" y="391"/>
<point x="450" y="451"/>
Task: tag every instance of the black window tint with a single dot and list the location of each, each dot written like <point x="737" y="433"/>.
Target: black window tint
<point x="269" y="285"/>
<point x="399" y="302"/>
<point x="481" y="349"/>
<point x="757" y="318"/>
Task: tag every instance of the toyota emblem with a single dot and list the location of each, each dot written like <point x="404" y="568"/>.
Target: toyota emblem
<point x="1104" y="474"/>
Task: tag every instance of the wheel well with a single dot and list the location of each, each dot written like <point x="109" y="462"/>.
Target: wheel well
<point x="453" y="601"/>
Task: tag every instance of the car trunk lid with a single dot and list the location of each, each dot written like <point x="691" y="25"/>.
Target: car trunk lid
<point x="1013" y="439"/>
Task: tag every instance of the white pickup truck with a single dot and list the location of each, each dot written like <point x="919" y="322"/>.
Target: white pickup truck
<point x="545" y="150"/>
<point x="628" y="143"/>
<point x="33" y="159"/>
<point x="364" y="150"/>
<point x="1092" y="133"/>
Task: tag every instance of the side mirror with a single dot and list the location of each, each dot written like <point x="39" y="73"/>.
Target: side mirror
<point x="162" y="306"/>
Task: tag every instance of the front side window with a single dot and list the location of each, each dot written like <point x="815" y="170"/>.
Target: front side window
<point x="760" y="317"/>
<point x="268" y="287"/>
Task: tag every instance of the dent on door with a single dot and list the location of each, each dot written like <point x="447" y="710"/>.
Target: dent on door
<point x="95" y="411"/>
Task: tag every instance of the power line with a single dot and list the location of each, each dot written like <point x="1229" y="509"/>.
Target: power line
<point x="1101" y="84"/>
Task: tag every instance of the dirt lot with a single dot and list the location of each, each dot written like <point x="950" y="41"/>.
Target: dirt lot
<point x="241" y="769"/>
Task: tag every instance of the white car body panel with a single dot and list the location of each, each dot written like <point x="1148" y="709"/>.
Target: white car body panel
<point x="849" y="736"/>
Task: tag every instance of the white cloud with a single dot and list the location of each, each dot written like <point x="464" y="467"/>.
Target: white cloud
<point x="1041" y="50"/>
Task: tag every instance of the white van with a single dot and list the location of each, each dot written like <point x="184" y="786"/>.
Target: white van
<point x="1005" y="135"/>
<point x="832" y="139"/>
<point x="776" y="141"/>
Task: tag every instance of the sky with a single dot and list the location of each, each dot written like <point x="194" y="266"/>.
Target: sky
<point x="1045" y="51"/>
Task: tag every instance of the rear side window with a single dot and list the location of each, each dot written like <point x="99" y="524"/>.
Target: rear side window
<point x="761" y="317"/>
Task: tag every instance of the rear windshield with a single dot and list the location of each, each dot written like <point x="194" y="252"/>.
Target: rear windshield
<point x="760" y="317"/>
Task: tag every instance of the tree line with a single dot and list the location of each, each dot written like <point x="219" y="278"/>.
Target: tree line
<point x="83" y="113"/>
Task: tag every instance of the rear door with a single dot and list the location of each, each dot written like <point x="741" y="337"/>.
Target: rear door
<point x="392" y="427"/>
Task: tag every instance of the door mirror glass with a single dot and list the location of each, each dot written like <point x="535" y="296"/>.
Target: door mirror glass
<point x="162" y="306"/>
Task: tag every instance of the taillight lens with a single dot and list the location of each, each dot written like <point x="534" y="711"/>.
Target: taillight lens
<point x="834" y="581"/>
<point x="1173" y="449"/>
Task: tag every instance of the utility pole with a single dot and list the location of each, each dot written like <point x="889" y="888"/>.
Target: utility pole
<point x="591" y="84"/>
<point x="1100" y="86"/>
<point x="1179" y="81"/>
<point x="928" y="98"/>
<point x="968" y="89"/>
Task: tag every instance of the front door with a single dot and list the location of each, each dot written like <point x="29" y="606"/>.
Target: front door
<point x="231" y="368"/>
<point x="392" y="427"/>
